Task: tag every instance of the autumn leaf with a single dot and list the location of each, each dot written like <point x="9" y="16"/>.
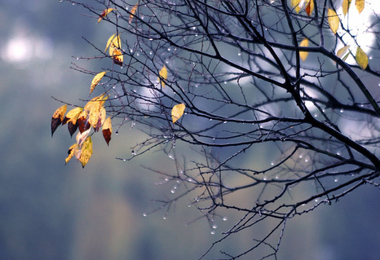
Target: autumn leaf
<point x="333" y="20"/>
<point x="117" y="57"/>
<point x="177" y="112"/>
<point x="95" y="111"/>
<point x="303" y="54"/>
<point x="346" y="6"/>
<point x="342" y="51"/>
<point x="96" y="80"/>
<point x="296" y="4"/>
<point x="361" y="58"/>
<point x="309" y="7"/>
<point x="163" y="74"/>
<point x="115" y="44"/>
<point x="81" y="137"/>
<point x="104" y="13"/>
<point x="86" y="151"/>
<point x="72" y="151"/>
<point x="360" y="5"/>
<point x="57" y="118"/>
<point x="82" y="121"/>
<point x="71" y="119"/>
<point x="133" y="11"/>
<point x="110" y="39"/>
<point x="107" y="130"/>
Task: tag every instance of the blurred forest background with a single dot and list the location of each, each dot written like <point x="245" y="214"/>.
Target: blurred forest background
<point x="52" y="211"/>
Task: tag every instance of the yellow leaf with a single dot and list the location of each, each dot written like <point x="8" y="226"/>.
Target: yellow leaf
<point x="71" y="119"/>
<point x="104" y="13"/>
<point x="109" y="41"/>
<point x="296" y="4"/>
<point x="96" y="80"/>
<point x="360" y="5"/>
<point x="303" y="54"/>
<point x="57" y="118"/>
<point x="346" y="6"/>
<point x="117" y="57"/>
<point x="114" y="45"/>
<point x="342" y="51"/>
<point x="72" y="150"/>
<point x="96" y="112"/>
<point x="107" y="130"/>
<point x="177" y="112"/>
<point x="86" y="151"/>
<point x="309" y="7"/>
<point x="163" y="74"/>
<point x="361" y="58"/>
<point x="133" y="11"/>
<point x="333" y="20"/>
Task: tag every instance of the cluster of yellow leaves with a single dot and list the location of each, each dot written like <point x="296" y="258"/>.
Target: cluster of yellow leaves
<point x="92" y="116"/>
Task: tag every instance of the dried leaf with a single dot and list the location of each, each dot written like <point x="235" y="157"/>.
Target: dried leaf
<point x="177" y="112"/>
<point x="86" y="151"/>
<point x="96" y="80"/>
<point x="81" y="137"/>
<point x="361" y="58"/>
<point x="114" y="45"/>
<point x="163" y="75"/>
<point x="72" y="150"/>
<point x="346" y="6"/>
<point x="57" y="118"/>
<point x="333" y="20"/>
<point x="95" y="111"/>
<point x="118" y="57"/>
<point x="304" y="54"/>
<point x="133" y="11"/>
<point x="309" y="7"/>
<point x="107" y="130"/>
<point x="109" y="41"/>
<point x="342" y="51"/>
<point x="71" y="119"/>
<point x="82" y="121"/>
<point x="104" y="13"/>
<point x="360" y="5"/>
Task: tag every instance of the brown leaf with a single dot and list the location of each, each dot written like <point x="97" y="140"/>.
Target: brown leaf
<point x="57" y="118"/>
<point x="309" y="7"/>
<point x="107" y="130"/>
<point x="133" y="11"/>
<point x="117" y="57"/>
<point x="104" y="13"/>
<point x="82" y="121"/>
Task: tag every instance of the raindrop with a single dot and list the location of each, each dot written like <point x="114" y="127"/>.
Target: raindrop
<point x="341" y="110"/>
<point x="193" y="28"/>
<point x="225" y="218"/>
<point x="171" y="156"/>
<point x="172" y="191"/>
<point x="133" y="152"/>
<point x="336" y="180"/>
<point x="225" y="82"/>
<point x="150" y="39"/>
<point x="77" y="58"/>
<point x="224" y="122"/>
<point x="214" y="226"/>
<point x="117" y="132"/>
<point x="144" y="214"/>
<point x="272" y="163"/>
<point x="189" y="205"/>
<point x="210" y="119"/>
<point x="164" y="217"/>
<point x="169" y="49"/>
<point x="212" y="232"/>
<point x="239" y="54"/>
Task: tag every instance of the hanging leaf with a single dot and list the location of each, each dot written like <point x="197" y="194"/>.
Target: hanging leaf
<point x="361" y="58"/>
<point x="86" y="151"/>
<point x="107" y="130"/>
<point x="96" y="114"/>
<point x="133" y="11"/>
<point x="82" y="121"/>
<point x="117" y="57"/>
<point x="333" y="20"/>
<point x="96" y="80"/>
<point x="163" y="75"/>
<point x="360" y="5"/>
<point x="109" y="41"/>
<point x="115" y="44"/>
<point x="81" y="137"/>
<point x="296" y="4"/>
<point x="309" y="7"/>
<point x="72" y="151"/>
<point x="71" y="119"/>
<point x="177" y="112"/>
<point x="104" y="13"/>
<point x="57" y="118"/>
<point x="342" y="51"/>
<point x="303" y="54"/>
<point x="346" y="6"/>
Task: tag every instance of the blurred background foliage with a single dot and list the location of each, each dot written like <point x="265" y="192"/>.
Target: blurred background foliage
<point x="52" y="211"/>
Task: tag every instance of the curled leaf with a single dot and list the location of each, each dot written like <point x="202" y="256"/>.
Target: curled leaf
<point x="104" y="13"/>
<point x="109" y="41"/>
<point x="115" y="44"/>
<point x="133" y="11"/>
<point x="304" y="54"/>
<point x="359" y="5"/>
<point x="57" y="118"/>
<point x="333" y="20"/>
<point x="96" y="80"/>
<point x="107" y="130"/>
<point x="163" y="75"/>
<point x="117" y="57"/>
<point x="71" y="119"/>
<point x="177" y="112"/>
<point x="346" y="6"/>
<point x="81" y="137"/>
<point x="309" y="7"/>
<point x="72" y="151"/>
<point x="361" y="58"/>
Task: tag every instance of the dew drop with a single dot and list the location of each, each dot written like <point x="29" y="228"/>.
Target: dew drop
<point x="239" y="54"/>
<point x="341" y="111"/>
<point x="212" y="232"/>
<point x="336" y="180"/>
<point x="225" y="218"/>
<point x="172" y="191"/>
<point x="144" y="214"/>
<point x="171" y="156"/>
<point x="214" y="226"/>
